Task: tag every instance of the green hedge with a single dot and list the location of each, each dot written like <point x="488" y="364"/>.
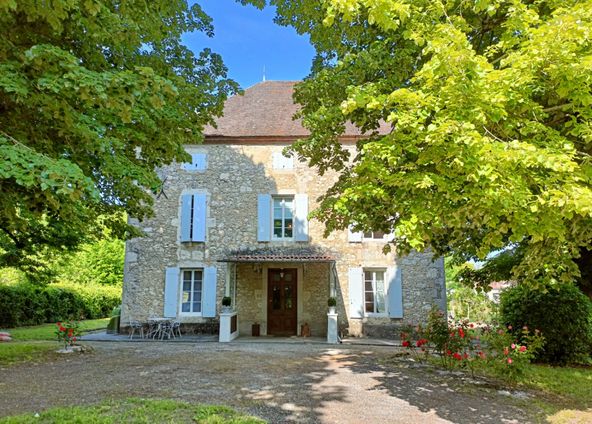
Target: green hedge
<point x="562" y="313"/>
<point x="26" y="304"/>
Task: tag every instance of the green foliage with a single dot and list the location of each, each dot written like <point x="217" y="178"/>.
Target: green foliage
<point x="138" y="411"/>
<point x="94" y="96"/>
<point x="47" y="331"/>
<point x="16" y="352"/>
<point x="487" y="125"/>
<point x="26" y="304"/>
<point x="562" y="313"/>
<point x="466" y="303"/>
<point x="508" y="355"/>
<point x="95" y="263"/>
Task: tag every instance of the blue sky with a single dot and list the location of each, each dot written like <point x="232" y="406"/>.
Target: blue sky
<point x="248" y="40"/>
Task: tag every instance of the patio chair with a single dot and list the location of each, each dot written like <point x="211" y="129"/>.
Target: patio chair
<point x="176" y="329"/>
<point x="136" y="325"/>
<point x="166" y="330"/>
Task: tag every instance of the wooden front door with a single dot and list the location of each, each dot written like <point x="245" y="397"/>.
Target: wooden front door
<point x="281" y="302"/>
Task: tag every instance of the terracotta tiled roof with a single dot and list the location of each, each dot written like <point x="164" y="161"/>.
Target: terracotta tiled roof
<point x="304" y="254"/>
<point x="265" y="110"/>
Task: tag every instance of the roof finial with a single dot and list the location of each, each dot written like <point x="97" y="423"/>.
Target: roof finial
<point x="263" y="73"/>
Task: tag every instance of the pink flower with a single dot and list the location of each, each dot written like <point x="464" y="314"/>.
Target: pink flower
<point x="513" y="346"/>
<point x="509" y="360"/>
<point x="509" y="327"/>
<point x="522" y="348"/>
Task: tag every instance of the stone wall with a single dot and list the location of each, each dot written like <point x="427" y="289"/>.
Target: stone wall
<point x="234" y="176"/>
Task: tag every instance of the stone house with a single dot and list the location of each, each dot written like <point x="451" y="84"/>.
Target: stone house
<point x="233" y="222"/>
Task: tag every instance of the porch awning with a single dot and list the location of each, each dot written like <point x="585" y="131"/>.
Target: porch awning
<point x="279" y="255"/>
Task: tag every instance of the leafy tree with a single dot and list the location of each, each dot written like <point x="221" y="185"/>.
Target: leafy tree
<point x="94" y="95"/>
<point x="490" y="126"/>
<point x="94" y="263"/>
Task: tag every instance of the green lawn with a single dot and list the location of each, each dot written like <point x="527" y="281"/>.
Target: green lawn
<point x="37" y="342"/>
<point x="47" y="331"/>
<point x="137" y="411"/>
<point x="572" y="384"/>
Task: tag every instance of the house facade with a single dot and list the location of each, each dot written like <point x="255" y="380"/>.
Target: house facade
<point x="233" y="222"/>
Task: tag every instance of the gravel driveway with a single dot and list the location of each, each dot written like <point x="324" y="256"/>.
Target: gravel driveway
<point x="278" y="382"/>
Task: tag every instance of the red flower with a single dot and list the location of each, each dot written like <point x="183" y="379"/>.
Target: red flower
<point x="471" y="325"/>
<point x="506" y="351"/>
<point x="73" y="339"/>
<point x="59" y="324"/>
<point x="457" y="356"/>
<point x="62" y="328"/>
<point x="466" y="355"/>
<point x="448" y="352"/>
<point x="406" y="343"/>
<point x="522" y="348"/>
<point x="461" y="333"/>
<point x="70" y="332"/>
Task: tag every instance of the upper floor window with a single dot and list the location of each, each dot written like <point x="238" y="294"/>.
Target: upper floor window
<point x="193" y="217"/>
<point x="283" y="217"/>
<point x="374" y="293"/>
<point x="198" y="162"/>
<point x="279" y="161"/>
<point x="192" y="289"/>
<point x="374" y="235"/>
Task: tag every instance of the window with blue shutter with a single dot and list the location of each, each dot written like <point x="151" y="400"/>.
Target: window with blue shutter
<point x="356" y="293"/>
<point x="264" y="217"/>
<point x="198" y="162"/>
<point x="395" y="292"/>
<point x="193" y="217"/>
<point x="171" y="287"/>
<point x="209" y="292"/>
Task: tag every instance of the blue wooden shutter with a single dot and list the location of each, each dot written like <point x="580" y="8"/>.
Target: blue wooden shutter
<point x="208" y="297"/>
<point x="171" y="292"/>
<point x="395" y="292"/>
<point x="199" y="161"/>
<point x="301" y="217"/>
<point x="264" y="217"/>
<point x="354" y="236"/>
<point x="356" y="292"/>
<point x="186" y="201"/>
<point x="199" y="217"/>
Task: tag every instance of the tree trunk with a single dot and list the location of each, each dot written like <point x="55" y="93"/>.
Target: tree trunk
<point x="585" y="264"/>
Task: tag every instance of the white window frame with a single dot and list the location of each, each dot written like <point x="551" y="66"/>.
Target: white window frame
<point x="374" y="292"/>
<point x="383" y="238"/>
<point x="182" y="291"/>
<point x="283" y="197"/>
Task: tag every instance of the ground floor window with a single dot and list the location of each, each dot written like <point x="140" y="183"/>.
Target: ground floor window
<point x="192" y="289"/>
<point x="374" y="300"/>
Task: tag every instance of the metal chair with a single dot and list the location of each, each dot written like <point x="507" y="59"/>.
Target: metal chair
<point x="136" y="325"/>
<point x="176" y="329"/>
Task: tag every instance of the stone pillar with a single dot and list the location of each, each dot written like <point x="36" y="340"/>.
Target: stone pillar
<point x="332" y="335"/>
<point x="228" y="327"/>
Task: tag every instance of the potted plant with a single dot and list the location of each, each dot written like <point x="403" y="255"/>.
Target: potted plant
<point x="226" y="302"/>
<point x="332" y="302"/>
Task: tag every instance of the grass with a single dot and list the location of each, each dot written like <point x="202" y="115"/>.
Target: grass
<point x="572" y="384"/>
<point x="47" y="331"/>
<point x="35" y="343"/>
<point x="137" y="411"/>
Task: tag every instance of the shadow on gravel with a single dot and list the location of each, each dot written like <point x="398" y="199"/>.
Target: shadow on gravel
<point x="430" y="390"/>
